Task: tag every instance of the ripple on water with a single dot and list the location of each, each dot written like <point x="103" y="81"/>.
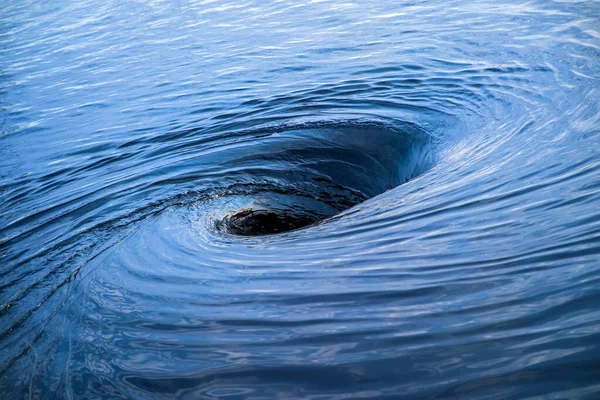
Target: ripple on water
<point x="299" y="200"/>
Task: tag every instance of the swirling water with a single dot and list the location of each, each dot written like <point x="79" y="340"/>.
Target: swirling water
<point x="299" y="199"/>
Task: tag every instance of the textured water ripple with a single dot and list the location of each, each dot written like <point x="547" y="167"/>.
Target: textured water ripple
<point x="300" y="200"/>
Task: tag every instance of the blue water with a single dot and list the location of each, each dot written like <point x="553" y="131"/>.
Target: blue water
<point x="323" y="199"/>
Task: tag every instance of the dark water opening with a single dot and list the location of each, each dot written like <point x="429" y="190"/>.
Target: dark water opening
<point x="248" y="222"/>
<point x="320" y="170"/>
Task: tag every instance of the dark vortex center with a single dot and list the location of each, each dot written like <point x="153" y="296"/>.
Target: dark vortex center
<point x="249" y="222"/>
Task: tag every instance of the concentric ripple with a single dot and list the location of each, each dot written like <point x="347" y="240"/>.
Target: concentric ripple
<point x="299" y="200"/>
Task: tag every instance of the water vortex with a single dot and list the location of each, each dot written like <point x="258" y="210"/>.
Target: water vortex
<point x="315" y="200"/>
<point x="320" y="169"/>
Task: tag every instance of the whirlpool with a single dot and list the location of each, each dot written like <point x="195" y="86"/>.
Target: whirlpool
<point x="300" y="200"/>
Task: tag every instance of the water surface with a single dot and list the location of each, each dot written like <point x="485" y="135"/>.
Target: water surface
<point x="299" y="199"/>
